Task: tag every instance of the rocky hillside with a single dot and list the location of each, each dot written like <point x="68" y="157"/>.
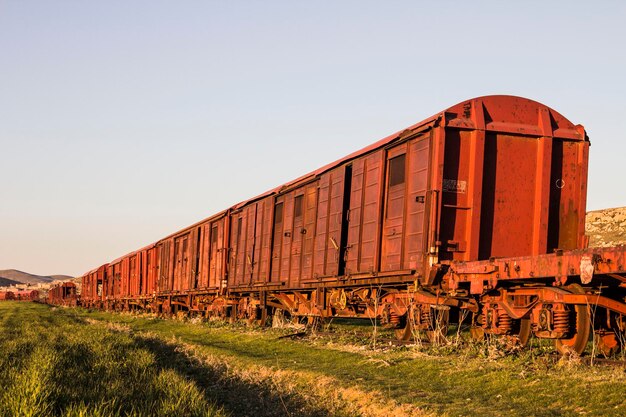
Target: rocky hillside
<point x="606" y="227"/>
<point x="26" y="278"/>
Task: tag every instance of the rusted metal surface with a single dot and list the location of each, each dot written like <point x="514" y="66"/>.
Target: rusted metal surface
<point x="63" y="294"/>
<point x="92" y="287"/>
<point x="27" y="295"/>
<point x="328" y="244"/>
<point x="7" y="295"/>
<point x="510" y="168"/>
<point x="559" y="268"/>
<point x="250" y="232"/>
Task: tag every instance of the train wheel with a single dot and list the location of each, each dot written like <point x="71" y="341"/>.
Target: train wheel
<point x="579" y="336"/>
<point x="436" y="319"/>
<point x="519" y="335"/>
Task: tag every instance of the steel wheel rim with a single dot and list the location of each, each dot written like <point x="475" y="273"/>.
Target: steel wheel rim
<point x="579" y="338"/>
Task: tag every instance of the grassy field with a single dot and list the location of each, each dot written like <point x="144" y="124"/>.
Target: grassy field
<point x="74" y="362"/>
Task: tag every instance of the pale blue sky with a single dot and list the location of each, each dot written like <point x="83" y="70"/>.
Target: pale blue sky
<point x="123" y="121"/>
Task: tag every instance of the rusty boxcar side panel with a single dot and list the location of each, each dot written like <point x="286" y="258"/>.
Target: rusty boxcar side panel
<point x="302" y="234"/>
<point x="278" y="226"/>
<point x="418" y="187"/>
<point x="364" y="215"/>
<point x="329" y="221"/>
<point x="27" y="295"/>
<point x="250" y="242"/>
<point x="215" y="238"/>
<point x="244" y="238"/>
<point x="262" y="257"/>
<point x="92" y="285"/>
<point x="86" y="287"/>
<point x="152" y="273"/>
<point x="181" y="262"/>
<point x="114" y="281"/>
<point x="293" y="234"/>
<point x="134" y="273"/>
<point x="143" y="272"/>
<point x="100" y="283"/>
<point x="394" y="200"/>
<point x="165" y="260"/>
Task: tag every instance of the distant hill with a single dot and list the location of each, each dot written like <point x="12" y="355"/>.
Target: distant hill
<point x="5" y="282"/>
<point x="26" y="278"/>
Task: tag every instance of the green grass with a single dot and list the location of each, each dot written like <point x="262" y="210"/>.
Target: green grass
<point x="79" y="362"/>
<point x="53" y="364"/>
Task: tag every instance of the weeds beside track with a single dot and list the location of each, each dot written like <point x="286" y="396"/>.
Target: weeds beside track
<point x="96" y="363"/>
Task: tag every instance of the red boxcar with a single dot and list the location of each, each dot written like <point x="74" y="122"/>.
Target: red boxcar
<point x="92" y="291"/>
<point x="7" y="295"/>
<point x="63" y="294"/>
<point x="130" y="282"/>
<point x="112" y="286"/>
<point x="27" y="295"/>
<point x="150" y="271"/>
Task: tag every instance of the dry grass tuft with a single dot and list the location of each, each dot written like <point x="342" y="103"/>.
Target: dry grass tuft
<point x="313" y="388"/>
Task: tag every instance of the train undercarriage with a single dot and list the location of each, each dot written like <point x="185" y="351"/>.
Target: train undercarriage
<point x="568" y="297"/>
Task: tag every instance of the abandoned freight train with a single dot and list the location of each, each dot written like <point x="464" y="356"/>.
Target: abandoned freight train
<point x="476" y="213"/>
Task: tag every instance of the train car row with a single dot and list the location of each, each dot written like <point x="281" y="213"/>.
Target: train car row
<point x="475" y="212"/>
<point x="20" y="295"/>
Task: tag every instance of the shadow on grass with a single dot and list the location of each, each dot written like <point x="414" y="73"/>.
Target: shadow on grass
<point x="237" y="397"/>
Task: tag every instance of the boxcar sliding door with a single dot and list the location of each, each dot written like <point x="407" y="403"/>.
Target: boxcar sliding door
<point x="404" y="215"/>
<point x="393" y="217"/>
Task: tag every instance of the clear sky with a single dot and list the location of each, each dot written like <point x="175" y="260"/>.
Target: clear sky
<point x="123" y="121"/>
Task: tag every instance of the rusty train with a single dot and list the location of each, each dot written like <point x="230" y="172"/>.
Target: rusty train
<point x="64" y="293"/>
<point x="19" y="295"/>
<point x="476" y="213"/>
